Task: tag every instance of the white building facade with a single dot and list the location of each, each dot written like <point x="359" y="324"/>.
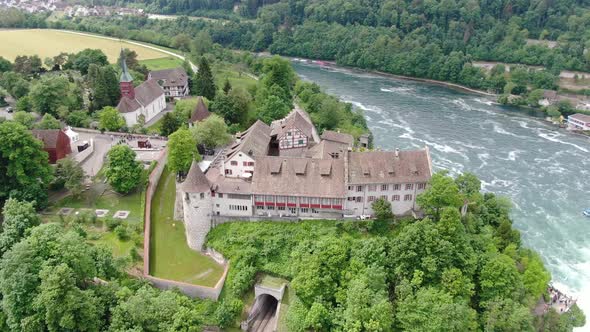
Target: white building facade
<point x="578" y="122"/>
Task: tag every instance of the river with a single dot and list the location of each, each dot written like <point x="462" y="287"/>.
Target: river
<point x="545" y="171"/>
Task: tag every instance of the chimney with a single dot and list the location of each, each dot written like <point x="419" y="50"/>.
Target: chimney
<point x="397" y="152"/>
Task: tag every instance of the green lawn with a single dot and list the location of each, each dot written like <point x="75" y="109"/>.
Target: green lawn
<point x="162" y="63"/>
<point x="119" y="248"/>
<point x="170" y="255"/>
<point x="237" y="76"/>
<point x="100" y="197"/>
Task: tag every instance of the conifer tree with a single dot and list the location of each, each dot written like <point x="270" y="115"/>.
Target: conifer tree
<point x="204" y="83"/>
<point x="226" y="86"/>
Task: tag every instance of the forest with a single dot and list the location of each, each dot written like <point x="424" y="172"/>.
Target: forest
<point x="429" y="39"/>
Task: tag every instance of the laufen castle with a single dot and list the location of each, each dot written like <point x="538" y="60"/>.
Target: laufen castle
<point x="286" y="170"/>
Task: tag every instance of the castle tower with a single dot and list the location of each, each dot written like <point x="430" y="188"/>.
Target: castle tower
<point x="197" y="206"/>
<point x="126" y="80"/>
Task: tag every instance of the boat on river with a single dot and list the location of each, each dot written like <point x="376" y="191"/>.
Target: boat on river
<point x="586" y="212"/>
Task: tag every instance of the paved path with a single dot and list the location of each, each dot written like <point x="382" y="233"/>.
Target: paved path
<point x="193" y="66"/>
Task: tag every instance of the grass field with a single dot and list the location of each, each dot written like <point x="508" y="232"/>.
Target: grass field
<point x="95" y="198"/>
<point x="170" y="255"/>
<point x="47" y="43"/>
<point x="162" y="63"/>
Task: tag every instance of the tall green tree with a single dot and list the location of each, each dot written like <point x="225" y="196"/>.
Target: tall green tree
<point x="45" y="281"/>
<point x="212" y="132"/>
<point x="169" y="124"/>
<point x="49" y="93"/>
<point x="442" y="192"/>
<point x="104" y="86"/>
<point x="432" y="310"/>
<point x="182" y="150"/>
<point x="19" y="216"/>
<point x="25" y="171"/>
<point x="110" y="119"/>
<point x="5" y="65"/>
<point x="204" y="82"/>
<point x="24" y="118"/>
<point x="64" y="306"/>
<point x="82" y="60"/>
<point x="48" y="122"/>
<point x="499" y="278"/>
<point x="273" y="108"/>
<point x="122" y="171"/>
<point x="69" y="174"/>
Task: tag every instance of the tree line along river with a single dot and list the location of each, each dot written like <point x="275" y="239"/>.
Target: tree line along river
<point x="544" y="170"/>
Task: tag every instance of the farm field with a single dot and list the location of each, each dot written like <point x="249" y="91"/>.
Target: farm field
<point x="47" y="43"/>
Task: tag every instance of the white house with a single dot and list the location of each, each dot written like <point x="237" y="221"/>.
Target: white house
<point x="578" y="122"/>
<point x="173" y="81"/>
<point x="146" y="100"/>
<point x="240" y="157"/>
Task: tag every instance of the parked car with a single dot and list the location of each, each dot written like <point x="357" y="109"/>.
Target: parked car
<point x="364" y="217"/>
<point x="9" y="109"/>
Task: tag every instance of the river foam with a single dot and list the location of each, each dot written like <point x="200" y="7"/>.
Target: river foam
<point x="539" y="167"/>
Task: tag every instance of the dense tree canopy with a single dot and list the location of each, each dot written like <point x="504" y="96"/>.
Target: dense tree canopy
<point x="211" y="132"/>
<point x="182" y="150"/>
<point x="122" y="171"/>
<point x="25" y="172"/>
<point x="110" y="119"/>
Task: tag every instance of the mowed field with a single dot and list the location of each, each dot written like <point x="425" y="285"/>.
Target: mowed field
<point x="48" y="43"/>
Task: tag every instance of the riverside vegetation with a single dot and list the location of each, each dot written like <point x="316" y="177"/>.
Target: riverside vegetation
<point x="435" y="40"/>
<point x="444" y="272"/>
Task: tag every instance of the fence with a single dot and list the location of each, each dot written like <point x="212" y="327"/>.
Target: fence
<point x="187" y="289"/>
<point x="116" y="133"/>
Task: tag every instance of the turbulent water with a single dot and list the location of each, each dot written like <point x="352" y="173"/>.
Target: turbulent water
<point x="545" y="171"/>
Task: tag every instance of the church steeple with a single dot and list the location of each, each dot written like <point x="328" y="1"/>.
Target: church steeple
<point x="126" y="80"/>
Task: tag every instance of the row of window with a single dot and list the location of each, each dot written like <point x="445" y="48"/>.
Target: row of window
<point x="293" y="200"/>
<point x="385" y="187"/>
<point x="238" y="207"/>
<point x="231" y="196"/>
<point x="394" y="198"/>
<point x="282" y="208"/>
<point x="244" y="163"/>
<point x="290" y="144"/>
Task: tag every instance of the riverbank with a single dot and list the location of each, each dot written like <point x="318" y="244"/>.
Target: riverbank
<point x="389" y="75"/>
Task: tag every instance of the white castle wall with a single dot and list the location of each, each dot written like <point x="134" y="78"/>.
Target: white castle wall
<point x="197" y="218"/>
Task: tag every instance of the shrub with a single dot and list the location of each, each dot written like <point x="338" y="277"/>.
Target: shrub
<point x="134" y="255"/>
<point x="122" y="232"/>
<point x="112" y="223"/>
<point x="227" y="311"/>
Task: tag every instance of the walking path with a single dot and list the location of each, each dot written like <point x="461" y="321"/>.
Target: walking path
<point x="193" y="66"/>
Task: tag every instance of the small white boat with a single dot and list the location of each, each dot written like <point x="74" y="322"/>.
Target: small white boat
<point x="586" y="212"/>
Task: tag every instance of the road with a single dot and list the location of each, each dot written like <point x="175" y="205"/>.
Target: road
<point x="193" y="66"/>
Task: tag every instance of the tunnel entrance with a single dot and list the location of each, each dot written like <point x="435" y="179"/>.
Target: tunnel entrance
<point x="262" y="317"/>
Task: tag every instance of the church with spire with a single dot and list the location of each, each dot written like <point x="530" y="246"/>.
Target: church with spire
<point x="144" y="101"/>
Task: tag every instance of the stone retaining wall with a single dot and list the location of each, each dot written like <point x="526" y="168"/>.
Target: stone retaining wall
<point x="81" y="157"/>
<point x="187" y="289"/>
<point x="116" y="133"/>
<point x="153" y="180"/>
